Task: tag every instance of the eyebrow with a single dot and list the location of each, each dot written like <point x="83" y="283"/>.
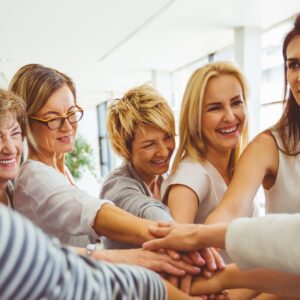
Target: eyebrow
<point x="152" y="140"/>
<point x="292" y="59"/>
<point x="50" y="112"/>
<point x="218" y="103"/>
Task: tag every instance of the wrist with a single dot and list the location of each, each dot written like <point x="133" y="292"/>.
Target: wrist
<point x="213" y="235"/>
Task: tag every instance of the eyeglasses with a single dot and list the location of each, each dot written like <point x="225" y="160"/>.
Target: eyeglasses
<point x="58" y="122"/>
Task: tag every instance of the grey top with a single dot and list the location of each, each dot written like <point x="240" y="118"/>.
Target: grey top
<point x="124" y="188"/>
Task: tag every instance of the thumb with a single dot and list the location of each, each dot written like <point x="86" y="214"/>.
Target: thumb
<point x="159" y="231"/>
<point x="154" y="245"/>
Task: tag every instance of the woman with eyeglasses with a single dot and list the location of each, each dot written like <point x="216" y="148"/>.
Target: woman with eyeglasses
<point x="45" y="189"/>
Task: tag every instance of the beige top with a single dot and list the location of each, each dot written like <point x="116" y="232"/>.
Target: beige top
<point x="284" y="195"/>
<point x="46" y="197"/>
<point x="204" y="179"/>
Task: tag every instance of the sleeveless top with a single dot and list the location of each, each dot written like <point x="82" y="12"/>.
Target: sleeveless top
<point x="284" y="195"/>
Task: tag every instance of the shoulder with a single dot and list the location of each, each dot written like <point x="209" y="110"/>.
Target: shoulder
<point x="191" y="166"/>
<point x="118" y="181"/>
<point x="190" y="173"/>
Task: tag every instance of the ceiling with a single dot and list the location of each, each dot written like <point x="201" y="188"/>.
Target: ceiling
<point x="110" y="46"/>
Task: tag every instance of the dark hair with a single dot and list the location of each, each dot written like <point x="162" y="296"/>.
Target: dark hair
<point x="289" y="123"/>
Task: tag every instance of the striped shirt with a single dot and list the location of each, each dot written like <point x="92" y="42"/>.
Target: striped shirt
<point x="33" y="266"/>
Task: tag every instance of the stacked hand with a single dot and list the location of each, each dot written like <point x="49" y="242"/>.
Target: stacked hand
<point x="185" y="238"/>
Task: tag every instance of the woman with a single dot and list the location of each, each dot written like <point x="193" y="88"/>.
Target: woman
<point x="44" y="188"/>
<point x="12" y="112"/>
<point x="141" y="129"/>
<point x="273" y="158"/>
<point x="213" y="132"/>
<point x="44" y="259"/>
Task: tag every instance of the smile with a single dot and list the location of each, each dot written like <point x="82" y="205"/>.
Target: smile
<point x="7" y="161"/>
<point x="161" y="161"/>
<point x="229" y="130"/>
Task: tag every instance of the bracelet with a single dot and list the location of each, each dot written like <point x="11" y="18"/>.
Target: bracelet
<point x="90" y="249"/>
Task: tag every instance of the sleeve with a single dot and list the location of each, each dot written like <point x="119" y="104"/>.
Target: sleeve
<point x="126" y="193"/>
<point x="191" y="175"/>
<point x="49" y="271"/>
<point x="271" y="241"/>
<point x="46" y="197"/>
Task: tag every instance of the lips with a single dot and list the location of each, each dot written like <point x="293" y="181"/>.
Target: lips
<point x="66" y="139"/>
<point x="160" y="161"/>
<point x="228" y="130"/>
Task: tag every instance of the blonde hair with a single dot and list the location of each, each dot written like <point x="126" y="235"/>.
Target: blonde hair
<point x="142" y="105"/>
<point x="14" y="105"/>
<point x="192" y="143"/>
<point x="35" y="84"/>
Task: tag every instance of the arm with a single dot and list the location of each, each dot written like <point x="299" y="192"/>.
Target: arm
<point x="259" y="160"/>
<point x="183" y="203"/>
<point x="271" y="241"/>
<point x="47" y="270"/>
<point x="44" y="195"/>
<point x="121" y="226"/>
<point x="129" y="194"/>
<point x="261" y="280"/>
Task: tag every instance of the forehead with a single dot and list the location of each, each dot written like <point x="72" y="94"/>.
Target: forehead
<point x="293" y="48"/>
<point x="60" y="100"/>
<point x="8" y="121"/>
<point x="148" y="132"/>
<point x="221" y="87"/>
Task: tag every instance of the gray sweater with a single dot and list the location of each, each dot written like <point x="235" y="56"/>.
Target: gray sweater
<point x="124" y="187"/>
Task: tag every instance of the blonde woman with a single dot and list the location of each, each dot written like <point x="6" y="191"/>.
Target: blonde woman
<point x="213" y="132"/>
<point x="141" y="129"/>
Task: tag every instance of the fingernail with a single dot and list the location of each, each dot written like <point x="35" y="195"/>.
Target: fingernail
<point x="213" y="266"/>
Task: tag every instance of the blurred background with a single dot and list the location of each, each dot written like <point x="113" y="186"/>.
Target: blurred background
<point x="108" y="47"/>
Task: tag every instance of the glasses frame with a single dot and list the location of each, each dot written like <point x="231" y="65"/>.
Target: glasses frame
<point x="63" y="119"/>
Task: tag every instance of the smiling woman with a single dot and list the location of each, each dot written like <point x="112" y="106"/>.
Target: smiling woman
<point x="141" y="128"/>
<point x="213" y="132"/>
<point x="12" y="113"/>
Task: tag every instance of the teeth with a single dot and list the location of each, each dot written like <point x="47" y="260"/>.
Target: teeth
<point x="7" y="161"/>
<point x="228" y="130"/>
<point x="160" y="161"/>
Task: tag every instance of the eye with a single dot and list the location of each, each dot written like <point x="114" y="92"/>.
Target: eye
<point x="214" y="108"/>
<point x="237" y="102"/>
<point x="293" y="65"/>
<point x="168" y="137"/>
<point x="148" y="146"/>
<point x="16" y="133"/>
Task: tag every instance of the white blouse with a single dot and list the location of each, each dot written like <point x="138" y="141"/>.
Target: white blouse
<point x="46" y="197"/>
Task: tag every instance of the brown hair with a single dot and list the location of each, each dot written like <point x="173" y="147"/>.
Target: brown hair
<point x="289" y="123"/>
<point x="35" y="84"/>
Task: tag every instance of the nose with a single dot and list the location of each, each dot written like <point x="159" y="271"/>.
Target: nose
<point x="163" y="150"/>
<point x="8" y="146"/>
<point x="228" y="115"/>
<point x="66" y="125"/>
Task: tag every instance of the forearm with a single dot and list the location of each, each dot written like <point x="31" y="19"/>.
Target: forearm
<point x="263" y="280"/>
<point x="212" y="235"/>
<point x="118" y="225"/>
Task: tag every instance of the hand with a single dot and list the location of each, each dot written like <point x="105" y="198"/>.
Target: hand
<point x="156" y="261"/>
<point x="172" y="236"/>
<point x="186" y="236"/>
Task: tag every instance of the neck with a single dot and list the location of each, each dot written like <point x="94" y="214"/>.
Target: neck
<point x="221" y="162"/>
<point x="55" y="160"/>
